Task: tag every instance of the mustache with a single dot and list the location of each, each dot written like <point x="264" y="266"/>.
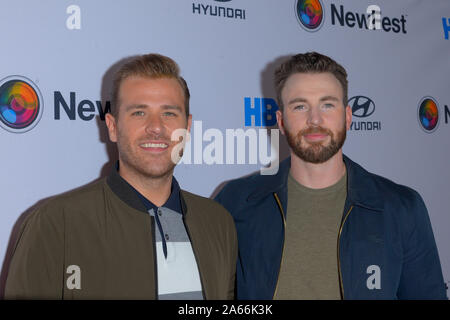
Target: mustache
<point x="315" y="130"/>
<point x="161" y="137"/>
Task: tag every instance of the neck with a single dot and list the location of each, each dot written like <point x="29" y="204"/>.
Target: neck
<point x="318" y="176"/>
<point x="156" y="190"/>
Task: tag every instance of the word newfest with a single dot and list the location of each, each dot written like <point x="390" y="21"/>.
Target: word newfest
<point x="257" y="148"/>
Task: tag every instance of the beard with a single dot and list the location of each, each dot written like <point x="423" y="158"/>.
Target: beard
<point x="316" y="152"/>
<point x="145" y="165"/>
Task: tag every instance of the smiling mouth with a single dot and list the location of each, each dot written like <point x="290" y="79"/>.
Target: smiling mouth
<point x="155" y="145"/>
<point x="315" y="136"/>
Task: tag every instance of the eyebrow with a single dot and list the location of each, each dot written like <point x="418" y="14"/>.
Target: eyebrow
<point x="135" y="106"/>
<point x="329" y="98"/>
<point x="144" y="106"/>
<point x="170" y="107"/>
<point x="324" y="98"/>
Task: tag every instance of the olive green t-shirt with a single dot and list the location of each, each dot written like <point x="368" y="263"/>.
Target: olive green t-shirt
<point x="309" y="265"/>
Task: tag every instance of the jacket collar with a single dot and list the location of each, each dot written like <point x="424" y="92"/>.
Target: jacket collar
<point x="131" y="197"/>
<point x="361" y="188"/>
<point x="272" y="183"/>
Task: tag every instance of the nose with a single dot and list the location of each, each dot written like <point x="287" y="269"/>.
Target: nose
<point x="154" y="125"/>
<point x="314" y="117"/>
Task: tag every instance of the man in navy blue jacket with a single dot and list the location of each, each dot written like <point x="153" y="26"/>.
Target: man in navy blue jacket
<point x="323" y="227"/>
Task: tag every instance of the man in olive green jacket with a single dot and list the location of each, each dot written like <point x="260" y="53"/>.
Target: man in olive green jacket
<point x="134" y="234"/>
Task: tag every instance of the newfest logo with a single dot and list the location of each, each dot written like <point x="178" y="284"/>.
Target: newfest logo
<point x="218" y="10"/>
<point x="362" y="108"/>
<point x="86" y="109"/>
<point x="21" y="104"/>
<point x="428" y="114"/>
<point x="311" y="16"/>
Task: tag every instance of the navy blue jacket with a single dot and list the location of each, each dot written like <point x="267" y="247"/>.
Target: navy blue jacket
<point x="384" y="225"/>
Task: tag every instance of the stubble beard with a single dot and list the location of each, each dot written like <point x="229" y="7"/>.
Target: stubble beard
<point x="142" y="165"/>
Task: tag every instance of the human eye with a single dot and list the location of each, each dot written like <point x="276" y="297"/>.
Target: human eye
<point x="328" y="106"/>
<point x="169" y="114"/>
<point x="300" y="107"/>
<point x="138" y="113"/>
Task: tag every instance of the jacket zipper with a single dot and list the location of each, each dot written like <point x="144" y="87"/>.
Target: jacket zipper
<point x="341" y="285"/>
<point x="196" y="258"/>
<point x="155" y="263"/>
<point x="284" y="238"/>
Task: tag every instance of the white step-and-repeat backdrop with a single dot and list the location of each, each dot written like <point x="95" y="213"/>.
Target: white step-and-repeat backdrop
<point x="58" y="57"/>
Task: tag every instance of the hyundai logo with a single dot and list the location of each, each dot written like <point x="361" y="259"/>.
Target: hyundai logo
<point x="362" y="107"/>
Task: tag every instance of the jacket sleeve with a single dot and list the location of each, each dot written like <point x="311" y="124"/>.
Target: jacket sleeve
<point x="36" y="269"/>
<point x="219" y="197"/>
<point x="421" y="271"/>
<point x="224" y="200"/>
<point x="234" y="254"/>
<point x="223" y="197"/>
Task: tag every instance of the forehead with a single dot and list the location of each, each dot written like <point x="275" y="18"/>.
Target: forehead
<point x="137" y="89"/>
<point x="312" y="84"/>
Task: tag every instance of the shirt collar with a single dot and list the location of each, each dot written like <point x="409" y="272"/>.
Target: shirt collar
<point x="172" y="203"/>
<point x="133" y="197"/>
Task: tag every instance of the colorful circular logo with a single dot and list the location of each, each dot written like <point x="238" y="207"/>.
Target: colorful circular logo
<point x="428" y="114"/>
<point x="310" y="14"/>
<point x="20" y="104"/>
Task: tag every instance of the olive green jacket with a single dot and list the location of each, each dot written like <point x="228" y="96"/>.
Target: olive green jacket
<point x="97" y="242"/>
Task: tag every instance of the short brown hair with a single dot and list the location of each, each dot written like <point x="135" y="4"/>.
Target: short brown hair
<point x="149" y="66"/>
<point x="310" y="62"/>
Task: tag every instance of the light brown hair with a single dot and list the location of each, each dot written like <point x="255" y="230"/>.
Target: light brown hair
<point x="149" y="66"/>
